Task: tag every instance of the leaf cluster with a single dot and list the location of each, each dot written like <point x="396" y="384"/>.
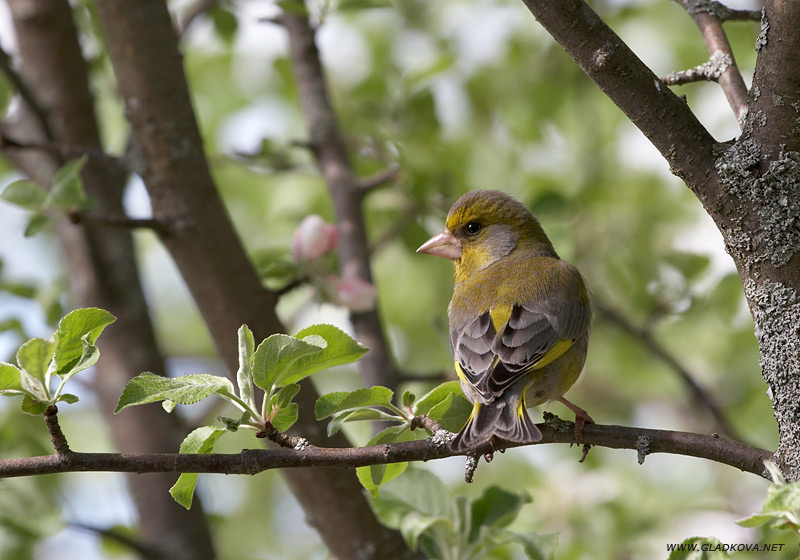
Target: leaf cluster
<point x="66" y="194"/>
<point x="69" y="351"/>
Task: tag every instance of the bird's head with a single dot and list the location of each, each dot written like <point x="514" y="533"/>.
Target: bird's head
<point x="484" y="226"/>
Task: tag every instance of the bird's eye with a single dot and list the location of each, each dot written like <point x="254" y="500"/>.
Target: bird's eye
<point x="473" y="227"/>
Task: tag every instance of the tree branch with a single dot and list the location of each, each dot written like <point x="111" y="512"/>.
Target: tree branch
<point x="65" y="150"/>
<point x="60" y="117"/>
<point x="252" y="461"/>
<point x="144" y="52"/>
<point x="25" y="93"/>
<point x="709" y="21"/>
<point x="123" y="222"/>
<point x="382" y="177"/>
<point x="699" y="395"/>
<point x="631" y="85"/>
<point x="330" y="151"/>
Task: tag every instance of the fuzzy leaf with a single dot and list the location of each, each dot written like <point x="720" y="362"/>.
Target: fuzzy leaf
<point x="187" y="389"/>
<point x="34" y="406"/>
<point x="452" y="412"/>
<point x="358" y="415"/>
<point x="436" y="396"/>
<point x="332" y="403"/>
<point x="373" y="477"/>
<point x="26" y="194"/>
<point x="36" y="223"/>
<point x="10" y="380"/>
<point x="339" y="349"/>
<point x="244" y="375"/>
<point x="76" y="329"/>
<point x="199" y="441"/>
<point x="67" y="189"/>
<point x="34" y="356"/>
<point x="276" y="359"/>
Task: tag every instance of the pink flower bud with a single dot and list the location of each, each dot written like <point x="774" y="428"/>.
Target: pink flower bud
<point x="313" y="238"/>
<point x="354" y="293"/>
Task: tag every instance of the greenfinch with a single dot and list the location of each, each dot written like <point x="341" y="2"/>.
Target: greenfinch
<point x="519" y="318"/>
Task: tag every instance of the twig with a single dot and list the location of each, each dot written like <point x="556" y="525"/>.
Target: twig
<point x="252" y="461"/>
<point x="292" y="442"/>
<point x="330" y="152"/>
<point x="22" y="88"/>
<point x="709" y="16"/>
<point x="56" y="435"/>
<point x="698" y="393"/>
<point x="723" y="12"/>
<point x="381" y="178"/>
<point x="140" y="548"/>
<point x="158" y="226"/>
<point x="708" y="71"/>
<point x="423" y="421"/>
<point x="65" y="150"/>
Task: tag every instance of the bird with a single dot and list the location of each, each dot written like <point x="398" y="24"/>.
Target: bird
<point x="520" y="318"/>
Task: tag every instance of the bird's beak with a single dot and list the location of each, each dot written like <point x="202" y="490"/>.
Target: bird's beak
<point x="443" y="244"/>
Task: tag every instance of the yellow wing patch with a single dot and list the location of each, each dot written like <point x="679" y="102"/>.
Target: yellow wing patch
<point x="460" y="373"/>
<point x="556" y="351"/>
<point x="500" y="315"/>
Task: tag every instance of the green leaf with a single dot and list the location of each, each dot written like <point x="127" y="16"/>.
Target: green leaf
<point x="188" y="389"/>
<point x="418" y="491"/>
<point x="340" y="349"/>
<point x="67" y="398"/>
<point x="231" y="424"/>
<point x="285" y="417"/>
<point x="276" y="359"/>
<point x="332" y="403"/>
<point x="34" y="406"/>
<point x="414" y="525"/>
<point x="77" y="329"/>
<point x="435" y="396"/>
<point x="285" y="411"/>
<point x="36" y="223"/>
<point x="200" y="441"/>
<point x="88" y="358"/>
<point x="408" y="399"/>
<point x="699" y="548"/>
<point x="225" y="23"/>
<point x="26" y="194"/>
<point x="452" y="412"/>
<point x="357" y="415"/>
<point x="537" y="547"/>
<point x="244" y="375"/>
<point x="284" y="396"/>
<point x="756" y="520"/>
<point x="168" y="405"/>
<point x="781" y="506"/>
<point x="34" y="356"/>
<point x="496" y="508"/>
<point x="372" y="477"/>
<point x="10" y="380"/>
<point x="67" y="189"/>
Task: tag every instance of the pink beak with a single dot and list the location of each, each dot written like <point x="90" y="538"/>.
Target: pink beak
<point x="443" y="244"/>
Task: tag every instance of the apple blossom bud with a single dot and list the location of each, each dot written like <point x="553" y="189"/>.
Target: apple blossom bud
<point x="313" y="238"/>
<point x="356" y="294"/>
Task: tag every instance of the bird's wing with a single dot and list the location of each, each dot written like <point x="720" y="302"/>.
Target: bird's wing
<point x="535" y="334"/>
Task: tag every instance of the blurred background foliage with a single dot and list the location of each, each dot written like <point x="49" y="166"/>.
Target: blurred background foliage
<point x="461" y="94"/>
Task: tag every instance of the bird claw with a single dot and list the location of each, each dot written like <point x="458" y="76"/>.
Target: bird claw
<point x="581" y="418"/>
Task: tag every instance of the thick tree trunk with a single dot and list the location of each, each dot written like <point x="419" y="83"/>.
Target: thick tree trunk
<point x="102" y="268"/>
<point x="200" y="238"/>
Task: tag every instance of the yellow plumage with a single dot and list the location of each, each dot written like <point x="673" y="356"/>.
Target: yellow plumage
<point x="519" y="318"/>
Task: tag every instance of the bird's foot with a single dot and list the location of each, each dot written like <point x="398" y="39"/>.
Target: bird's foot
<point x="581" y="418"/>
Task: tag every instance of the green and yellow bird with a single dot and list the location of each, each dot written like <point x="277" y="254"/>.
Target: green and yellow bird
<point x="519" y="318"/>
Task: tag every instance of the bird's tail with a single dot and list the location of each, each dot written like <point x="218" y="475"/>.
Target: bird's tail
<point x="505" y="418"/>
